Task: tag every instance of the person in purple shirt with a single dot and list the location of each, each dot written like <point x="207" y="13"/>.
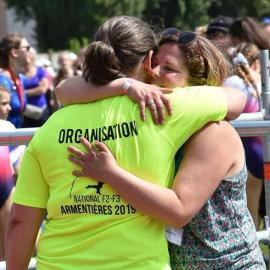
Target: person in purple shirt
<point x="36" y="86"/>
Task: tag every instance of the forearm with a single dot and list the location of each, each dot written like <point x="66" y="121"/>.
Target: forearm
<point x="35" y="91"/>
<point x="159" y="202"/>
<point x="23" y="226"/>
<point x="19" y="246"/>
<point x="42" y="88"/>
<point x="77" y="90"/>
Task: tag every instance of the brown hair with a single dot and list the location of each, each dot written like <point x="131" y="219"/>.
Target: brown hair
<point x="251" y="53"/>
<point x="206" y="64"/>
<point x="247" y="29"/>
<point x="120" y="44"/>
<point x="7" y="43"/>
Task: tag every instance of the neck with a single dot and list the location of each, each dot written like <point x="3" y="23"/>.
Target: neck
<point x="13" y="67"/>
<point x="138" y="74"/>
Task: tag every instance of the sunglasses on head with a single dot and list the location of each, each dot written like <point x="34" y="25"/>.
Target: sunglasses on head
<point x="183" y="37"/>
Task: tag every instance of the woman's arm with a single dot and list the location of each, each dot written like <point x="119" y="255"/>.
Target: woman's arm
<point x="236" y="102"/>
<point x="42" y="88"/>
<point x="140" y="93"/>
<point x="22" y="230"/>
<point x="176" y="206"/>
<point x="77" y="90"/>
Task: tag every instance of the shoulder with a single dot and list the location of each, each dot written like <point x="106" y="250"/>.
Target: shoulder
<point x="6" y="125"/>
<point x="235" y="81"/>
<point x="218" y="137"/>
<point x="198" y="94"/>
<point x="41" y="71"/>
<point x="22" y="77"/>
<point x="6" y="81"/>
<point x="221" y="140"/>
<point x="221" y="131"/>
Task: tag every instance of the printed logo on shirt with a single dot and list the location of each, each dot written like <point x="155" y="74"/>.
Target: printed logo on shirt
<point x="97" y="187"/>
<point x="96" y="202"/>
<point x="101" y="134"/>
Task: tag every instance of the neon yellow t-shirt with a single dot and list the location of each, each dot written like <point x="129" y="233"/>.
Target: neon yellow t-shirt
<point x="88" y="225"/>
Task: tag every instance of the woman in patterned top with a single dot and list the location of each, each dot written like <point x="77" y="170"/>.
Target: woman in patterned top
<point x="208" y="195"/>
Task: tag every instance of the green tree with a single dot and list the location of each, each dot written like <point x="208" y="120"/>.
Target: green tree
<point x="238" y="8"/>
<point x="59" y="21"/>
<point x="184" y="14"/>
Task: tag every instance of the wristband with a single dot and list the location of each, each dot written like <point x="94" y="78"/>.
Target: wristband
<point x="126" y="85"/>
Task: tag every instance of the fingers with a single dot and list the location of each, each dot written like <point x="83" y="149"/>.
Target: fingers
<point x="76" y="152"/>
<point x="79" y="173"/>
<point x="165" y="90"/>
<point x="87" y="144"/>
<point x="102" y="146"/>
<point x="168" y="105"/>
<point x="150" y="103"/>
<point x="75" y="160"/>
<point x="160" y="110"/>
<point x="142" y="109"/>
<point x="156" y="101"/>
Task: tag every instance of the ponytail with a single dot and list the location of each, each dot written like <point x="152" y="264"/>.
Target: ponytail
<point x="120" y="46"/>
<point x="101" y="64"/>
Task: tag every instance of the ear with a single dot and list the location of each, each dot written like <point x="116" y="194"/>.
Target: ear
<point x="147" y="63"/>
<point x="13" y="53"/>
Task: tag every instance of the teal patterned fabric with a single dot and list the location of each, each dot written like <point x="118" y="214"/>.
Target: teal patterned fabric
<point x="222" y="235"/>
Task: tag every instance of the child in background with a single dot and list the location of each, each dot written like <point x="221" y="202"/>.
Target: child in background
<point x="6" y="169"/>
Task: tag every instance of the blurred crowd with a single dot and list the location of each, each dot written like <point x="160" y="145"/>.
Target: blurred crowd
<point x="27" y="95"/>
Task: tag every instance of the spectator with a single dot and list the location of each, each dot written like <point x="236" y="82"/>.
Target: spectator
<point x="36" y="87"/>
<point x="219" y="28"/>
<point x="6" y="169"/>
<point x="50" y="97"/>
<point x="65" y="70"/>
<point x="247" y="79"/>
<point x="246" y="29"/>
<point x="79" y="61"/>
<point x="266" y="24"/>
<point x="14" y="50"/>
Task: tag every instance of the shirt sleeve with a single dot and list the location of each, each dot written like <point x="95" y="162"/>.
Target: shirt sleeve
<point x="193" y="108"/>
<point x="42" y="73"/>
<point x="31" y="187"/>
<point x="6" y="82"/>
<point x="205" y="103"/>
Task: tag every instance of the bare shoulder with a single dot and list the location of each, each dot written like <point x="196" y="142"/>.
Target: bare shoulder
<point x="219" y="140"/>
<point x="233" y="142"/>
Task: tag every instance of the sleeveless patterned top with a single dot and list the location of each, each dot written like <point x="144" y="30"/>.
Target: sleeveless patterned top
<point x="222" y="235"/>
